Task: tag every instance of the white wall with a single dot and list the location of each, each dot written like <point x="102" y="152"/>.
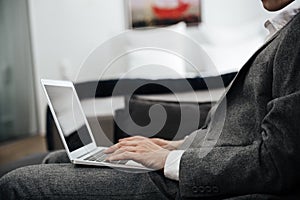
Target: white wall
<point x="231" y="12"/>
<point x="65" y="31"/>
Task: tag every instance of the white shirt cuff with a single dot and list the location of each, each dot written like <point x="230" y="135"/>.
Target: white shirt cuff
<point x="171" y="169"/>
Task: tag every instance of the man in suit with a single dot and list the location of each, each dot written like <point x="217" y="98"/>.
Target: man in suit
<point x="254" y="156"/>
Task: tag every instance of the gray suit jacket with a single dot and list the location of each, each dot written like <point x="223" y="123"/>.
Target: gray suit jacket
<point x="257" y="148"/>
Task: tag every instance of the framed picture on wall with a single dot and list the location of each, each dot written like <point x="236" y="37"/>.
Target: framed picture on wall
<point x="160" y="13"/>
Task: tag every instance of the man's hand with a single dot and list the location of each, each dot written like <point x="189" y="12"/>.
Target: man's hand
<point x="140" y="149"/>
<point x="166" y="144"/>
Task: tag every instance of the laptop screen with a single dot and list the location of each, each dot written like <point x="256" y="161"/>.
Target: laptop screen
<point x="69" y="115"/>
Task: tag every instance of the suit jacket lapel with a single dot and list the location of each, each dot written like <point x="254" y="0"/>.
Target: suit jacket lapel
<point x="247" y="65"/>
<point x="211" y="138"/>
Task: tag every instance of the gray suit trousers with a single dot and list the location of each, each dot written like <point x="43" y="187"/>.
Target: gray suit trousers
<point x="59" y="179"/>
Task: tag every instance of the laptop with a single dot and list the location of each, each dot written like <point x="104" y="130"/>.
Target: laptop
<point x="74" y="129"/>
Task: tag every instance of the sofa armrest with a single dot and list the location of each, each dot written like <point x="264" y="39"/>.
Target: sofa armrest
<point x="139" y="109"/>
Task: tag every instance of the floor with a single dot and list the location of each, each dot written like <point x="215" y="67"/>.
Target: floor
<point x="24" y="147"/>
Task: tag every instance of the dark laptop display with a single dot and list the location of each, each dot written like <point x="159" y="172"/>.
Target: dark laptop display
<point x="69" y="116"/>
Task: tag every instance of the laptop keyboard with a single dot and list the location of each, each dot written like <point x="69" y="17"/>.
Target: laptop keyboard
<point x="100" y="156"/>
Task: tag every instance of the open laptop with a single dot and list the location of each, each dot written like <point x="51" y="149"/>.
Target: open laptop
<point x="74" y="129"/>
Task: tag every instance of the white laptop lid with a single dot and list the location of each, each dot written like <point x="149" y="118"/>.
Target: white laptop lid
<point x="69" y="117"/>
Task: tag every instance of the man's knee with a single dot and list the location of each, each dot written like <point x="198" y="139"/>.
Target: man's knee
<point x="14" y="184"/>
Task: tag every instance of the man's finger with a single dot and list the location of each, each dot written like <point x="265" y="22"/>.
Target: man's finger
<point x="159" y="142"/>
<point x="129" y="143"/>
<point x="112" y="148"/>
<point x="120" y="144"/>
<point x="132" y="138"/>
<point x="123" y="156"/>
<point x="129" y="148"/>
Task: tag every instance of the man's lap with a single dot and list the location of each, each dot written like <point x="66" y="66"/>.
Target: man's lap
<point x="65" y="180"/>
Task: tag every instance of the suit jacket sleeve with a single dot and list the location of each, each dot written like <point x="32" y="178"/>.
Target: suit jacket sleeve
<point x="271" y="163"/>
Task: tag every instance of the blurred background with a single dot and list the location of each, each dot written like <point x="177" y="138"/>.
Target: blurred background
<point x="51" y="38"/>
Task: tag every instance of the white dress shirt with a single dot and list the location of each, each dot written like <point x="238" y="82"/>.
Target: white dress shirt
<point x="276" y="23"/>
<point x="172" y="164"/>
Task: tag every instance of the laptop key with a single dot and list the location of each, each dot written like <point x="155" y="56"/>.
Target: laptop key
<point x="123" y="162"/>
<point x="100" y="157"/>
<point x="96" y="156"/>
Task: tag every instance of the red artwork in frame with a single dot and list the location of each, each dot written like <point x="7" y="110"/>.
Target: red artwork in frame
<point x="158" y="13"/>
